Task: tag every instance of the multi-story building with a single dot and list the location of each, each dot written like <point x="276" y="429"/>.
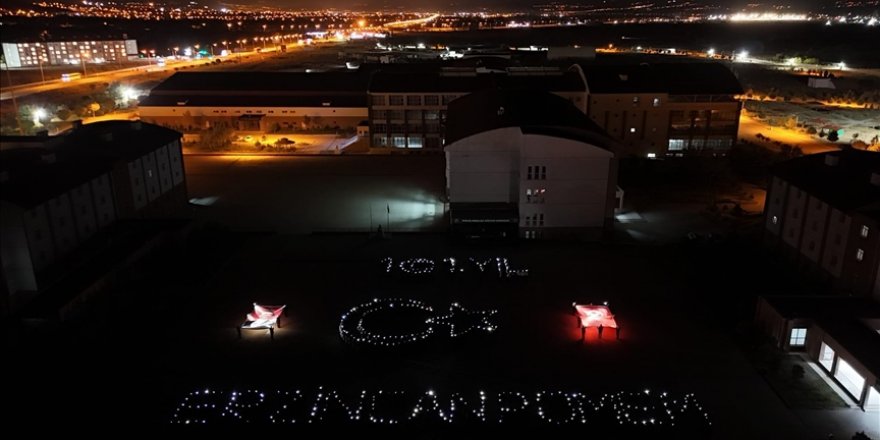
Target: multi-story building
<point x="259" y="101"/>
<point x="59" y="53"/>
<point x="408" y="106"/>
<point x="527" y="164"/>
<point x="60" y="192"/>
<point x="823" y="211"/>
<point x="658" y="110"/>
<point x="653" y="110"/>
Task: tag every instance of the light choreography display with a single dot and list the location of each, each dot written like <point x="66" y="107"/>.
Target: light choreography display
<point x="642" y="409"/>
<point x="354" y="326"/>
<point x="452" y="265"/>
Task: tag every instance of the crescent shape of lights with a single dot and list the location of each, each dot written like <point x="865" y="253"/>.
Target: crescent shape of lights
<point x="354" y="329"/>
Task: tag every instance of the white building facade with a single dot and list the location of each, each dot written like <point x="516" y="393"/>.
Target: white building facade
<point x="559" y="186"/>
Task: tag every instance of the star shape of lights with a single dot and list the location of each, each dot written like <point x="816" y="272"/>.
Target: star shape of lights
<point x="462" y="321"/>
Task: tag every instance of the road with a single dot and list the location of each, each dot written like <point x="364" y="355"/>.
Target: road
<point x="19" y="91"/>
<point x="409" y="23"/>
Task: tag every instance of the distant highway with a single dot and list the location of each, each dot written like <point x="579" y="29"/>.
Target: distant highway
<point x="413" y="22"/>
<point x="113" y="75"/>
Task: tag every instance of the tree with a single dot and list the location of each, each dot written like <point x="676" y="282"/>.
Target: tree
<point x="832" y="136"/>
<point x="218" y="137"/>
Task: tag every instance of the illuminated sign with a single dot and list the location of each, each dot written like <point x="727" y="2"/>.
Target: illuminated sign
<point x="653" y="411"/>
<point x="424" y="266"/>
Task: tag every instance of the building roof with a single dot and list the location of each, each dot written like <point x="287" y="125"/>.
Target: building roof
<point x="533" y="112"/>
<point x="358" y="100"/>
<point x="845" y="186"/>
<point x="467" y="80"/>
<point x="35" y="175"/>
<point x="262" y="83"/>
<point x="37" y="168"/>
<point x="842" y="317"/>
<point x="701" y="78"/>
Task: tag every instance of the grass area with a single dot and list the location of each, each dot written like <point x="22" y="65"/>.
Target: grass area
<point x="807" y="392"/>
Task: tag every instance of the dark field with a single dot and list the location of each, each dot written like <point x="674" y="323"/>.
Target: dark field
<point x="827" y="43"/>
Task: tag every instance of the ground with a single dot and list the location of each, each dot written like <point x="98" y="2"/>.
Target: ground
<point x="134" y="354"/>
<point x="174" y="334"/>
<point x="303" y="194"/>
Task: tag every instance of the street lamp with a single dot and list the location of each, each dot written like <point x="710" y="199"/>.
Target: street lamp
<point x="82" y="58"/>
<point x="40" y="60"/>
<point x="174" y="51"/>
<point x="127" y="94"/>
<point x="38" y="114"/>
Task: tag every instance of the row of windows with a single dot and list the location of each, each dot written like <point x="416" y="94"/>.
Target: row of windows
<point x="531" y="235"/>
<point x="535" y="195"/>
<point x="406" y="128"/>
<point x="635" y="100"/>
<point x="686" y="144"/>
<point x="412" y="99"/>
<point x="409" y="115"/>
<point x="536" y="172"/>
<point x="864" y="231"/>
<point x="534" y="220"/>
<point x="403" y="141"/>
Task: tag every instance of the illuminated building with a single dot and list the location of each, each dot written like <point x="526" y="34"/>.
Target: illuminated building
<point x="65" y="197"/>
<point x="839" y="334"/>
<point x="527" y="164"/>
<point x="665" y="109"/>
<point x="59" y="53"/>
<point x="823" y="211"/>
<point x="408" y="105"/>
<point x="259" y="101"/>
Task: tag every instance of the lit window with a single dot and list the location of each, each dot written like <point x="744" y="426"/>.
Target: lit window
<point x="798" y="337"/>
<point x="652" y="155"/>
<point x="826" y="356"/>
<point x="865" y="231"/>
<point x="860" y="254"/>
<point x="676" y="144"/>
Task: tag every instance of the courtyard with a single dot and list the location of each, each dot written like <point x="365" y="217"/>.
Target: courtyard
<point x="178" y="335"/>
